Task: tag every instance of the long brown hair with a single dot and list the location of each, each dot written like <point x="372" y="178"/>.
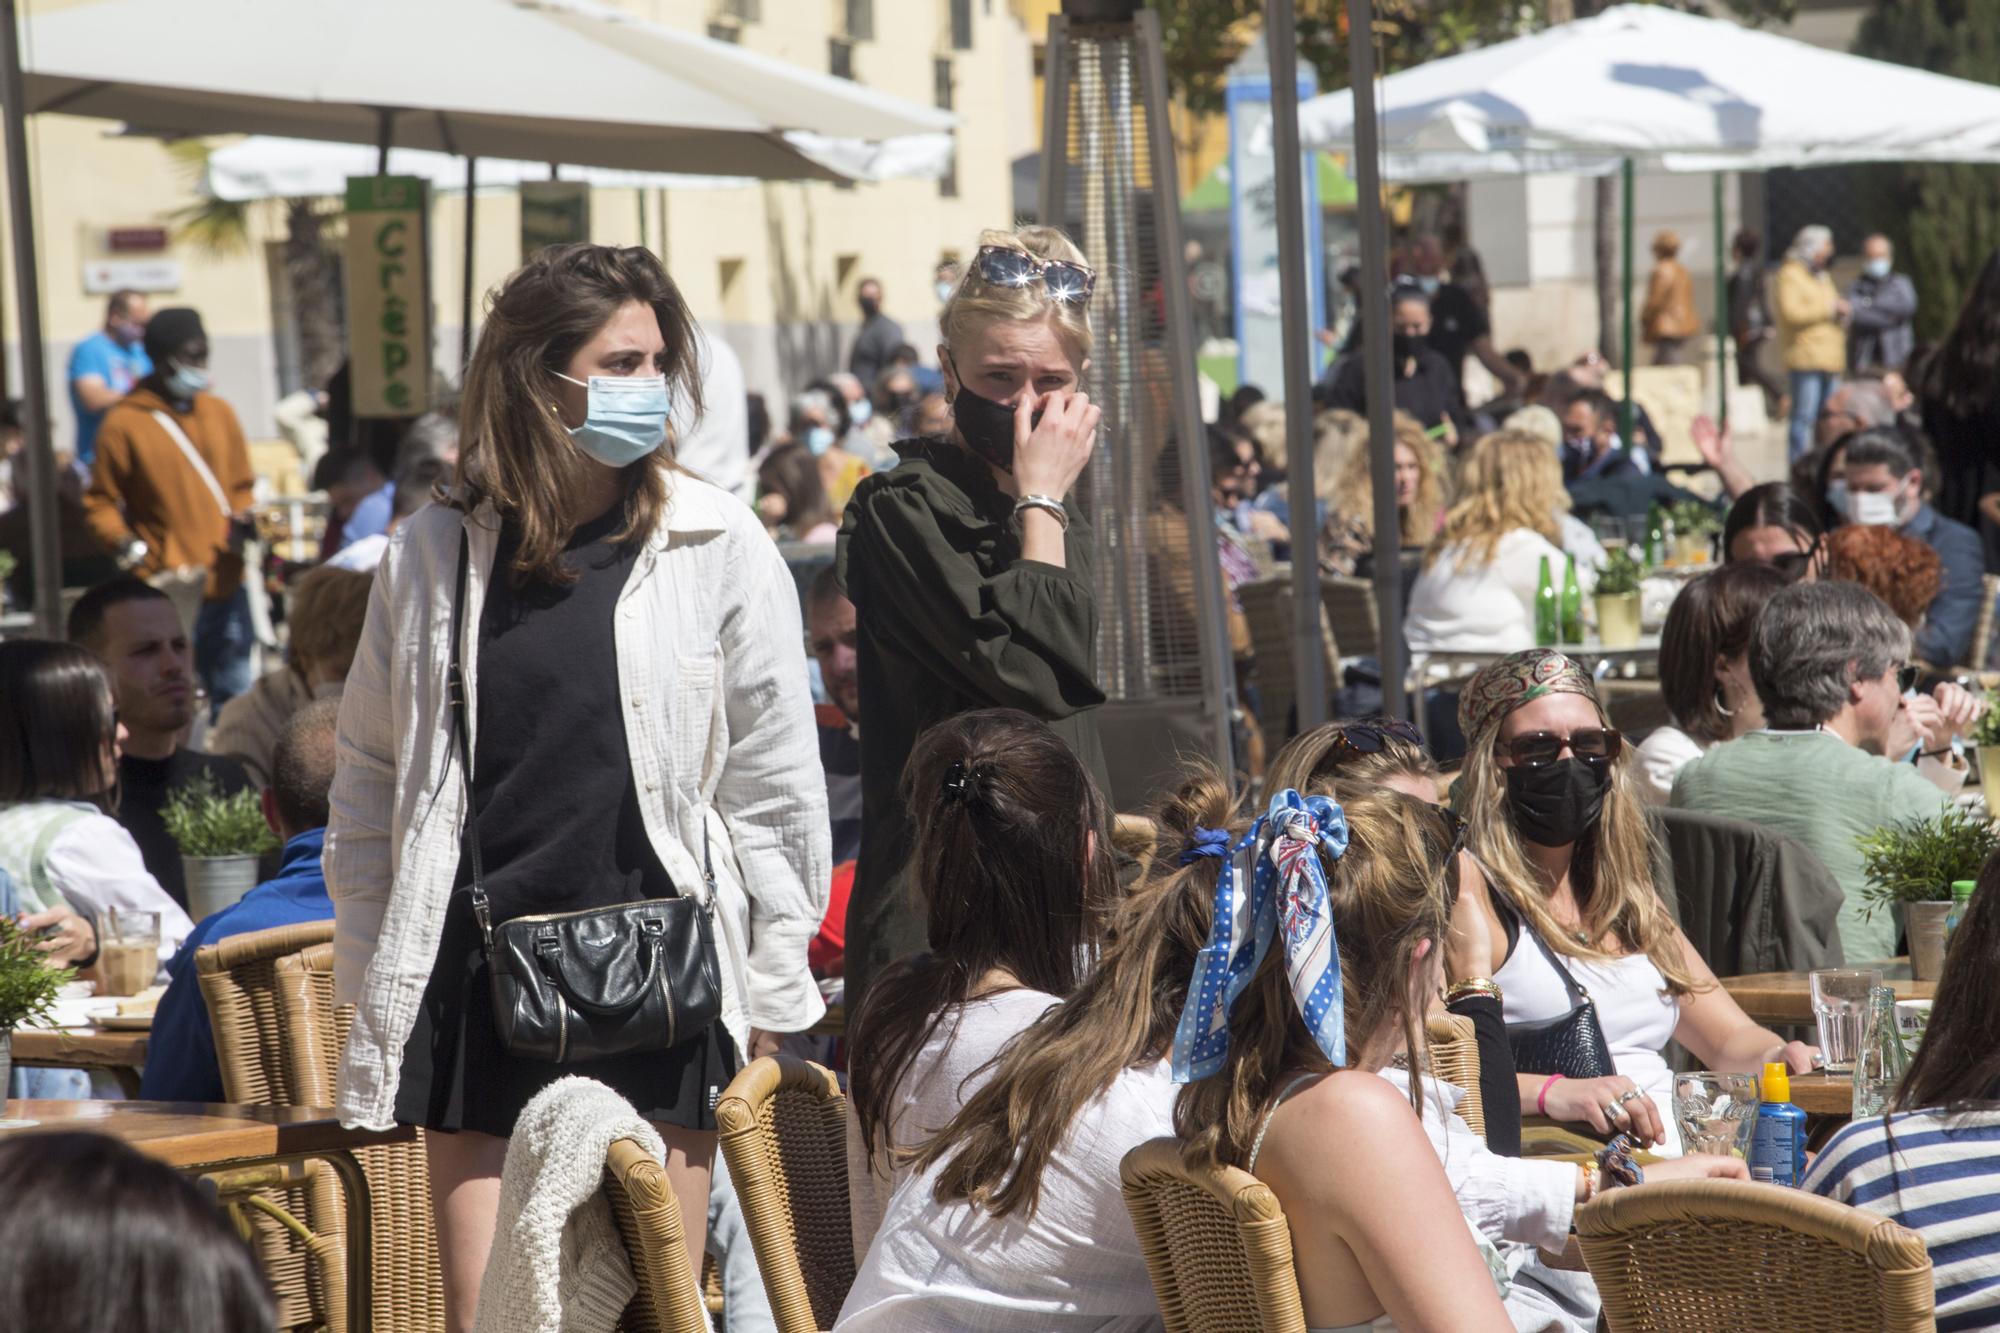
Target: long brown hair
<point x="1957" y="1066"/>
<point x="1012" y="866"/>
<point x="1612" y="874"/>
<point x="517" y="451"/>
<point x="57" y="722"/>
<point x="1388" y="894"/>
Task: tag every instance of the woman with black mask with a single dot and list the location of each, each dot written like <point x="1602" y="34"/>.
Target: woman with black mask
<point x="1579" y="926"/>
<point x="968" y="566"/>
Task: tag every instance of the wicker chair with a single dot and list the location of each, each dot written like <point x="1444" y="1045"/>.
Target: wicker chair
<point x="1350" y="610"/>
<point x="1698" y="1255"/>
<point x="1267" y="610"/>
<point x="408" y="1284"/>
<point x="648" y="1217"/>
<point x="238" y="982"/>
<point x="1217" y="1245"/>
<point x="784" y="1135"/>
<point x="1455" y="1059"/>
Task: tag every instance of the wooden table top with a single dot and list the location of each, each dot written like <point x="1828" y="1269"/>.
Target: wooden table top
<point x="1823" y="1093"/>
<point x="190" y="1134"/>
<point x="80" y="1048"/>
<point x="1786" y="997"/>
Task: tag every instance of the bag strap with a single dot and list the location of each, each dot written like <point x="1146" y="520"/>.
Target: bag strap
<point x="195" y="460"/>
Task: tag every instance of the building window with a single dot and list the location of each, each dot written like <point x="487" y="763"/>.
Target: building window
<point x="860" y="17"/>
<point x="840" y="57"/>
<point x="943" y="93"/>
<point x="725" y="32"/>
<point x="747" y="11"/>
<point x="961" y="25"/>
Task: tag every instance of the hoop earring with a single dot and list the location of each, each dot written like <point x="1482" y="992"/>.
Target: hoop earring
<point x="1722" y="703"/>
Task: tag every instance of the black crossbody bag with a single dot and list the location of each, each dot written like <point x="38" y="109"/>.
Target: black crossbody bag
<point x="1572" y="1045"/>
<point x="596" y="983"/>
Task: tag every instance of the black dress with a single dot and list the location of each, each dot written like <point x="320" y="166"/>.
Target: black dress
<point x="560" y="830"/>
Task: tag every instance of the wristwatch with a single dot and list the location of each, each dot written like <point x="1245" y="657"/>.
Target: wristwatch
<point x="134" y="552"/>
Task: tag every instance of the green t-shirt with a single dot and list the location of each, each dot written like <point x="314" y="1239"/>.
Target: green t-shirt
<point x="1814" y="787"/>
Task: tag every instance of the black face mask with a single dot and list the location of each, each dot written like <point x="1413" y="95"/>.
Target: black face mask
<point x="1406" y="345"/>
<point x="1558" y="803"/>
<point x="870" y="307"/>
<point x="988" y="427"/>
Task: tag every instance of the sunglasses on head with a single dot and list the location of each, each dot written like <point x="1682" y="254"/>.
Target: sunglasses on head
<point x="1538" y="749"/>
<point x="1373" y="736"/>
<point x="1063" y="282"/>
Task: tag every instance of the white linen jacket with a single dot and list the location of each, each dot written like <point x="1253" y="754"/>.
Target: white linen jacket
<point x="718" y="719"/>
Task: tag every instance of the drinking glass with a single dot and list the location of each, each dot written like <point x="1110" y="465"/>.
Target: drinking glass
<point x="1716" y="1112"/>
<point x="128" y="949"/>
<point x="1609" y="530"/>
<point x="1840" y="1007"/>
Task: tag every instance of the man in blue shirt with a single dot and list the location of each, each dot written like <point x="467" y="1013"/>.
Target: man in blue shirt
<point x="104" y="367"/>
<point x="180" y="1058"/>
<point x="1885" y="486"/>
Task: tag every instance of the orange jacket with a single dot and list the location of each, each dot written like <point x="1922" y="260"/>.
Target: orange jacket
<point x="143" y="486"/>
<point x="1669" y="310"/>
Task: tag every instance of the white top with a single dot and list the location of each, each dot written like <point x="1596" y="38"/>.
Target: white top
<point x="1489" y="608"/>
<point x="952" y="1064"/>
<point x="92" y="862"/>
<point x="361" y="555"/>
<point x="1662" y="755"/>
<point x="1073" y="1265"/>
<point x="717" y="446"/>
<point x="1635" y="1010"/>
<point x="718" y="723"/>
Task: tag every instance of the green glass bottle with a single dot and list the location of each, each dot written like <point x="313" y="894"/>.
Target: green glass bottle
<point x="1656" y="537"/>
<point x="1961" y="899"/>
<point x="1572" y="606"/>
<point x="1548" y="609"/>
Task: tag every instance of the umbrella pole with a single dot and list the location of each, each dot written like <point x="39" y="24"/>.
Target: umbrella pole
<point x="1308" y="659"/>
<point x="465" y="309"/>
<point x="44" y="542"/>
<point x="1625" y="412"/>
<point x="1377" y="373"/>
<point x="1721" y="315"/>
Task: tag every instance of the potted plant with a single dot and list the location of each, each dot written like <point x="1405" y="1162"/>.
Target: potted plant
<point x="1986" y="741"/>
<point x="220" y="838"/>
<point x="28" y="989"/>
<point x="1695" y="526"/>
<point x="1618" y="599"/>
<point x="1913" y="863"/>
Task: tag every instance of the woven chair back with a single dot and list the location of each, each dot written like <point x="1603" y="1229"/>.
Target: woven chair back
<point x="408" y="1284"/>
<point x="784" y="1135"/>
<point x="648" y="1217"/>
<point x="1216" y="1243"/>
<point x="1351" y="614"/>
<point x="1698" y="1255"/>
<point x="238" y="981"/>
<point x="1455" y="1059"/>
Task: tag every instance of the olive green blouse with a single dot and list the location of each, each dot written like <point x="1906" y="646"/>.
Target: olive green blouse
<point x="949" y="618"/>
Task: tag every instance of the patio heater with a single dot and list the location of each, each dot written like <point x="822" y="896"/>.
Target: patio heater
<point x="1109" y="179"/>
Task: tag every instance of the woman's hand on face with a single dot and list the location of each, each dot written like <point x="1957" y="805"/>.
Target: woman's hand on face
<point x="1050" y="455"/>
<point x="1698" y="1166"/>
<point x="1596" y="1102"/>
<point x="71" y="937"/>
<point x="1468" y="949"/>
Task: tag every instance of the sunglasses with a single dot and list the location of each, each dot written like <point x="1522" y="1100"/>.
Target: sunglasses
<point x="1906" y="678"/>
<point x="1538" y="749"/>
<point x="1372" y="737"/>
<point x="1794" y="564"/>
<point x="1062" y="282"/>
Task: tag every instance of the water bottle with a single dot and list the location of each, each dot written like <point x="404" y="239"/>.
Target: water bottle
<point x="1778" y="1142"/>
<point x="1882" y="1060"/>
<point x="1548" y="610"/>
<point x="1961" y="899"/>
<point x="1572" y="606"/>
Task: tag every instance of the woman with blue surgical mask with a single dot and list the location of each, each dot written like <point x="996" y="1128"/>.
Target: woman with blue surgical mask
<point x="579" y="689"/>
<point x="967" y="564"/>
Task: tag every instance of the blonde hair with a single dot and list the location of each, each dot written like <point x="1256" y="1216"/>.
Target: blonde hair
<point x="328" y="608"/>
<point x="1265" y="423"/>
<point x="976" y="303"/>
<point x="1388" y="894"/>
<point x="1312" y="761"/>
<point x="1337" y="433"/>
<point x="1354" y="494"/>
<point x="1509" y="480"/>
<point x="1612" y="875"/>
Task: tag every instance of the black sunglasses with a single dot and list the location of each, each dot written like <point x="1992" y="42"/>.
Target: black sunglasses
<point x="1538" y="749"/>
<point x="1907" y="676"/>
<point x="1064" y="283"/>
<point x="1794" y="564"/>
<point x="1374" y="735"/>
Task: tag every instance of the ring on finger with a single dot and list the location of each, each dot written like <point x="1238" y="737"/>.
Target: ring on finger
<point x="1613" y="1110"/>
<point x="1628" y="1096"/>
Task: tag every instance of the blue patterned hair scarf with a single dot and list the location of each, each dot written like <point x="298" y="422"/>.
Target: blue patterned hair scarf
<point x="1286" y="902"/>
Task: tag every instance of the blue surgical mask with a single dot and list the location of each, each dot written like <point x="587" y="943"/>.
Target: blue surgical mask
<point x="1876" y="268"/>
<point x="944" y="288"/>
<point x="1428" y="283"/>
<point x="819" y="439"/>
<point x="1836" y="497"/>
<point x="859" y="411"/>
<point x="626" y="418"/>
<point x="185" y="381"/>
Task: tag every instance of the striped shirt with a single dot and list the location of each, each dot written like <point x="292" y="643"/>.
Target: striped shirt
<point x="1943" y="1182"/>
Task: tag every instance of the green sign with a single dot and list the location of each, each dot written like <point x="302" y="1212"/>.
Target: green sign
<point x="388" y="294"/>
<point x="553" y="213"/>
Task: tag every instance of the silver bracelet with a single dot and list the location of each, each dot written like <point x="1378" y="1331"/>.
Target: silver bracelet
<point x="1044" y="502"/>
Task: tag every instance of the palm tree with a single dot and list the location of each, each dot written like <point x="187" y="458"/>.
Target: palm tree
<point x="222" y="227"/>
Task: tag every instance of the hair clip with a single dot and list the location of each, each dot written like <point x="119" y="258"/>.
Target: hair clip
<point x="960" y="782"/>
<point x="1205" y="842"/>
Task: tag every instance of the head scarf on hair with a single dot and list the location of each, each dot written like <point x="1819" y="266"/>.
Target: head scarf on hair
<point x="1515" y="680"/>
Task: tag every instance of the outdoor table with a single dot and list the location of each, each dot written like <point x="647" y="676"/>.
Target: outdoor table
<point x="207" y="1140"/>
<point x="122" y="1054"/>
<point x="1786" y="997"/>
